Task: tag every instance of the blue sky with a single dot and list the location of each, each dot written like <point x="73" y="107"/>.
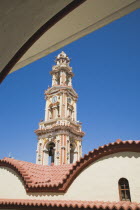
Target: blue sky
<point x="106" y="64"/>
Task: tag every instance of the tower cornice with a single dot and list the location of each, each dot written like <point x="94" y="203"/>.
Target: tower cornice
<point x="59" y="88"/>
<point x="60" y="127"/>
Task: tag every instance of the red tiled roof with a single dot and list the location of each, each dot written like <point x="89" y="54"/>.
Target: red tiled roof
<point x="35" y="175"/>
<point x="58" y="178"/>
<point x="122" y="205"/>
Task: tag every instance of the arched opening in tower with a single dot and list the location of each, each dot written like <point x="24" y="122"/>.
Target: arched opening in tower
<point x="51" y="153"/>
<point x="72" y="150"/>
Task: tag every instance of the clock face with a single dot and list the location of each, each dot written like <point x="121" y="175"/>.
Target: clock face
<point x="69" y="100"/>
<point x="54" y="99"/>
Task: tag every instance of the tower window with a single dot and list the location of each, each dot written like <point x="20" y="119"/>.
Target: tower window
<point x="58" y="110"/>
<point x="58" y="78"/>
<point x="124" y="190"/>
<point x="67" y="80"/>
<point x="69" y="100"/>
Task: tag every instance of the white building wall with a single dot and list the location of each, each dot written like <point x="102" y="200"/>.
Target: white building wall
<point x="99" y="181"/>
<point x="11" y="185"/>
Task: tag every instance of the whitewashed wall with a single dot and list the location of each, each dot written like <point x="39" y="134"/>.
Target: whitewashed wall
<point x="99" y="181"/>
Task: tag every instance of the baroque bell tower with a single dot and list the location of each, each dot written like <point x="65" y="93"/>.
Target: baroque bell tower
<point x="60" y="135"/>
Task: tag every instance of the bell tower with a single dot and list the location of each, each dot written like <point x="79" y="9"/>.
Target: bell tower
<point x="60" y="135"/>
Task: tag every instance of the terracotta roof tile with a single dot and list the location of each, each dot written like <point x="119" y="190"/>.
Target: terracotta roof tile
<point x="58" y="178"/>
<point x="39" y="175"/>
<point x="122" y="205"/>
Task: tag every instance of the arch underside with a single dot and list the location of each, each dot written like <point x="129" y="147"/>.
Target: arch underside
<point x="33" y="35"/>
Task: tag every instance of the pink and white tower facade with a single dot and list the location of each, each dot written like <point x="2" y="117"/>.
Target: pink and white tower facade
<point x="60" y="135"/>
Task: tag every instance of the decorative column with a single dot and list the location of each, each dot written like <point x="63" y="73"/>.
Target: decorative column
<point x="46" y="111"/>
<point x="45" y="156"/>
<point x="39" y="153"/>
<point x="57" y="158"/>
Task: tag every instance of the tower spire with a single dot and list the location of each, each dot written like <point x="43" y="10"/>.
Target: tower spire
<point x="62" y="58"/>
<point x="60" y="135"/>
<point x="62" y="72"/>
